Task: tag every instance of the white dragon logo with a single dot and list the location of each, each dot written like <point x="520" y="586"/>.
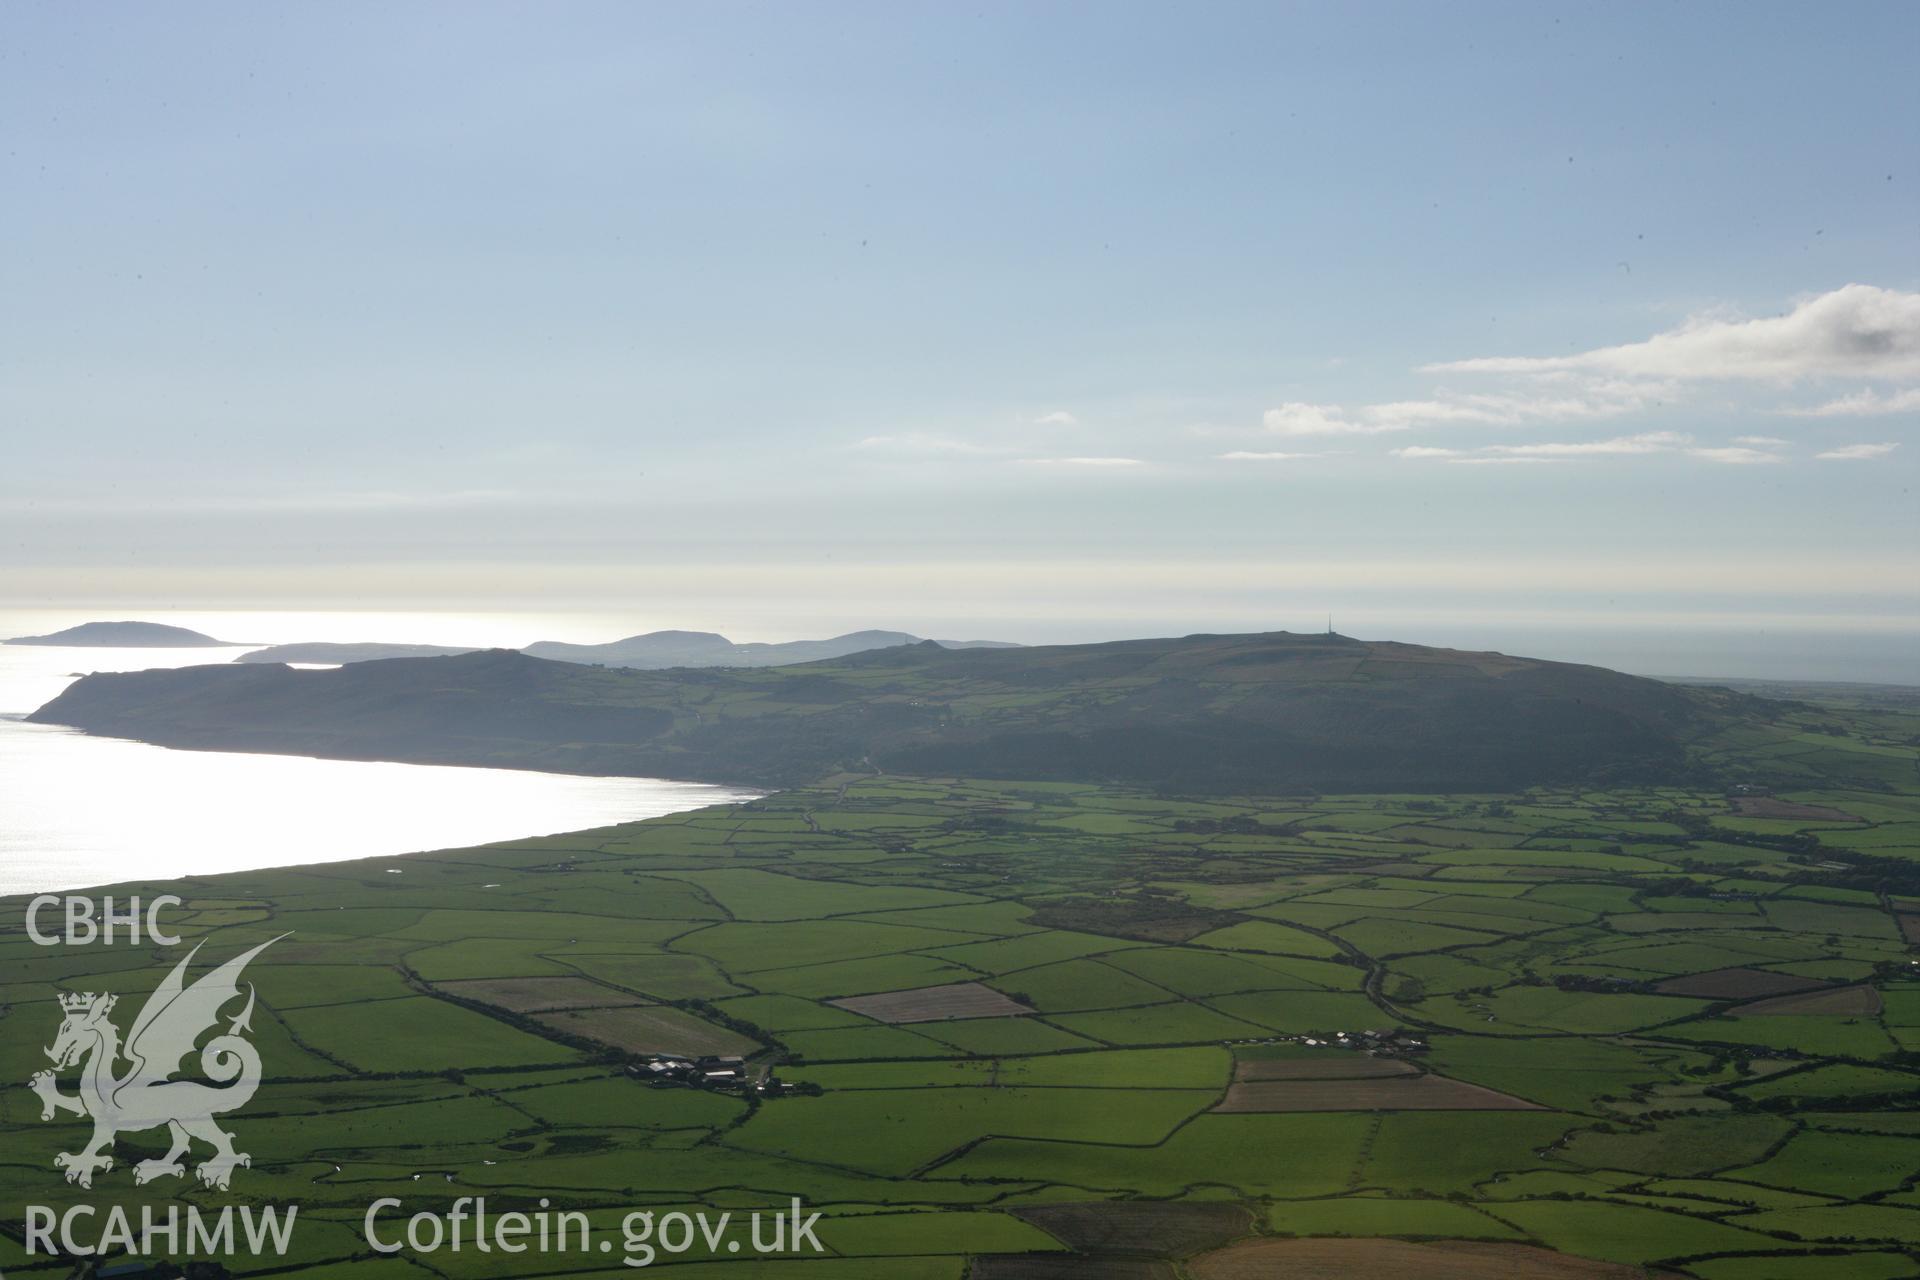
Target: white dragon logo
<point x="145" y="1097"/>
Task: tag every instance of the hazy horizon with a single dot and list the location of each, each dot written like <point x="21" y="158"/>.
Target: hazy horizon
<point x="1762" y="654"/>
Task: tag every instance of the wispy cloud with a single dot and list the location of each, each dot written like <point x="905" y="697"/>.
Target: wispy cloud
<point x="1646" y="442"/>
<point x="1857" y="330"/>
<point x="1736" y="455"/>
<point x="1260" y="455"/>
<point x="1296" y="418"/>
<point x="1058" y="418"/>
<point x="1866" y="403"/>
<point x="1858" y="452"/>
<point x="1618" y="446"/>
<point x="1763" y="442"/>
<point x="1485" y="461"/>
<point x="1468" y="457"/>
<point x="1093" y="463"/>
<point x="1599" y="400"/>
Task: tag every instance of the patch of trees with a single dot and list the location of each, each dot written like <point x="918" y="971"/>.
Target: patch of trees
<point x="1606" y="986"/>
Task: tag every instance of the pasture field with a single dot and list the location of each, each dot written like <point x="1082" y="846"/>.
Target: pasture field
<point x="648" y="1029"/>
<point x="1064" y="1030"/>
<point x="534" y="995"/>
<point x="1321" y="1066"/>
<point x="1403" y="1093"/>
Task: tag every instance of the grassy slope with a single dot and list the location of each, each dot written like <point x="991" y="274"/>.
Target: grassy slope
<point x="1206" y="713"/>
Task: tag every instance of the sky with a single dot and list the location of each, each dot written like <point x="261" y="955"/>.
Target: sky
<point x="1589" y="329"/>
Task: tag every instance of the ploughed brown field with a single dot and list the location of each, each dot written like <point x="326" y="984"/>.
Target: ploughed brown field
<point x="650" y="1029"/>
<point x="537" y="995"/>
<point x="1402" y="1260"/>
<point x="934" y="1004"/>
<point x="1834" y="1002"/>
<point x="1736" y="984"/>
<point x="1910" y="928"/>
<point x="1395" y="1093"/>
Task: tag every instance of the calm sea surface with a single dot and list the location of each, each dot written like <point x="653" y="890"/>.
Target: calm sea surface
<point x="78" y="810"/>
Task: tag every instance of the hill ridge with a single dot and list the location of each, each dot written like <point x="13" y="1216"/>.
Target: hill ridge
<point x="1265" y="711"/>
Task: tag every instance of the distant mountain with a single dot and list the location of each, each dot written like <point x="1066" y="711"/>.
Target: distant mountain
<point x="124" y="635"/>
<point x="1272" y="713"/>
<point x="321" y="651"/>
<point x="661" y="649"/>
<point x="655" y="650"/>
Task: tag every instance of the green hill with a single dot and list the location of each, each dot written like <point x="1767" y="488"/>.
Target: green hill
<point x="336" y="652"/>
<point x="1271" y="712"/>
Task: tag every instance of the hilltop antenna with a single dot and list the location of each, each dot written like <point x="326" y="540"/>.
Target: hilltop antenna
<point x="1329" y="624"/>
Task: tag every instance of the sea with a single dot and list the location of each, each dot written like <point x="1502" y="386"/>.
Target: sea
<point x="78" y="810"/>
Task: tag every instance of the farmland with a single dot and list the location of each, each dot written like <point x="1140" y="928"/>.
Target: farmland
<point x="1078" y="1030"/>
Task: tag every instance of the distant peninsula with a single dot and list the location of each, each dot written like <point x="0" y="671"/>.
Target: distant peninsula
<point x="1248" y="714"/>
<point x="660" y="649"/>
<point x="125" y="635"/>
<point x="325" y="652"/>
<point x="653" y="651"/>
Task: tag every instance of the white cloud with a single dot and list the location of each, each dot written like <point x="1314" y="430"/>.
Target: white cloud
<point x="1299" y="419"/>
<point x="1082" y="462"/>
<point x="1735" y="455"/>
<point x="1595" y="400"/>
<point x="1857" y="330"/>
<point x="1470" y="458"/>
<point x="1255" y="455"/>
<point x="1863" y="404"/>
<point x="1646" y="442"/>
<point x="1503" y="462"/>
<point x="1058" y="418"/>
<point x="1858" y="452"/>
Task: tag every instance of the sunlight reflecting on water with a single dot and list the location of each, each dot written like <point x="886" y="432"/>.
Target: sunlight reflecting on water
<point x="77" y="810"/>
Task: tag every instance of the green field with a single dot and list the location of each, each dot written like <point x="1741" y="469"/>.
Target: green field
<point x="1158" y="945"/>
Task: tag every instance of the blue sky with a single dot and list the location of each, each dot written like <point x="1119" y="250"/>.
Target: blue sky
<point x="1060" y="320"/>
